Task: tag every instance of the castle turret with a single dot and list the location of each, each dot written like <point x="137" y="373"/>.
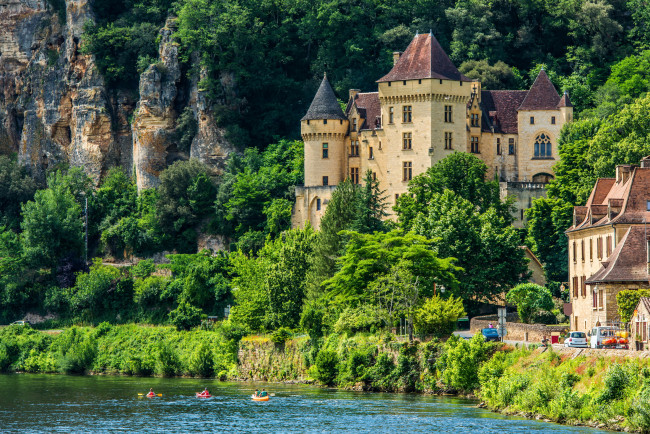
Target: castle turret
<point x="566" y="108"/>
<point x="324" y="129"/>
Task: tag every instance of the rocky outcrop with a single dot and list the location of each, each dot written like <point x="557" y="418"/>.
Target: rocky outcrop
<point x="56" y="110"/>
<point x="155" y="118"/>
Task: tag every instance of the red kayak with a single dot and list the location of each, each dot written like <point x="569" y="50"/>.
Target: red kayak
<point x="203" y="395"/>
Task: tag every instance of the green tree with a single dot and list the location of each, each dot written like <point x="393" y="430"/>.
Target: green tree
<point x="371" y="206"/>
<point x="438" y="316"/>
<point x="627" y="302"/>
<point x="16" y="187"/>
<point x="185" y="316"/>
<point x="546" y="222"/>
<point x="52" y="225"/>
<point x="530" y="298"/>
<point x="486" y="246"/>
<point x="184" y="197"/>
<point x="493" y="77"/>
<point x="460" y="172"/>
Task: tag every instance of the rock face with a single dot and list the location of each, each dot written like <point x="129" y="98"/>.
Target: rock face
<point x="154" y="122"/>
<point x="55" y="108"/>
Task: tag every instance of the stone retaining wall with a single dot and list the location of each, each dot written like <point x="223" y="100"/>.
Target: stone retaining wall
<point x="517" y="331"/>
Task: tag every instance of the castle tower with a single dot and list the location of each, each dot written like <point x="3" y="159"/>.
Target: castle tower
<point x="423" y="104"/>
<point x="323" y="130"/>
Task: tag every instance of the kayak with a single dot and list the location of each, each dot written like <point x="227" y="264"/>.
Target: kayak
<point x="150" y="395"/>
<point x="203" y="395"/>
<point x="260" y="398"/>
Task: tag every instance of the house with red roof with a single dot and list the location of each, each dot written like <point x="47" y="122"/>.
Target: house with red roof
<point x="424" y="110"/>
<point x="609" y="245"/>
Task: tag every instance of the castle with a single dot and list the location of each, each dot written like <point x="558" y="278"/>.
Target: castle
<point x="424" y="110"/>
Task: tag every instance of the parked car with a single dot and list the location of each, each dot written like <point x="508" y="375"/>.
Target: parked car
<point x="576" y="339"/>
<point x="20" y="323"/>
<point x="490" y="335"/>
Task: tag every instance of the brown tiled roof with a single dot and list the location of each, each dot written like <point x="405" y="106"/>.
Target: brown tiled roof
<point x="424" y="58"/>
<point x="565" y="101"/>
<point x="542" y="95"/>
<point x="627" y="263"/>
<point x="631" y="196"/>
<point x="501" y="107"/>
<point x="369" y="109"/>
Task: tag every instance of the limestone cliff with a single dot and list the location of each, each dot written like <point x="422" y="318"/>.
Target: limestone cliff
<point x="56" y="110"/>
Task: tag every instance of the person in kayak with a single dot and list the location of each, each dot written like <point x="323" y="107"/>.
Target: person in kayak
<point x="257" y="393"/>
<point x="205" y="392"/>
<point x="263" y="393"/>
<point x="151" y="393"/>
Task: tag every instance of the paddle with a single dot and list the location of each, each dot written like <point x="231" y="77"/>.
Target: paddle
<point x="146" y="394"/>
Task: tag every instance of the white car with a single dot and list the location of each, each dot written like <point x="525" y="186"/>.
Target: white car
<point x="576" y="339"/>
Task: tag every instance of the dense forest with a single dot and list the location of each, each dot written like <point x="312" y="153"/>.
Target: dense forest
<point x="452" y="245"/>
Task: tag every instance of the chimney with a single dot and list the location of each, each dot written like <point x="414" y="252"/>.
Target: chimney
<point x="396" y="56"/>
<point x="623" y="172"/>
<point x="645" y="162"/>
<point x="353" y="93"/>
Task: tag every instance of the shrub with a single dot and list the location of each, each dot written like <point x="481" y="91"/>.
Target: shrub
<point x="616" y="380"/>
<point x="639" y="414"/>
<point x="76" y="351"/>
<point x="167" y="362"/>
<point x="438" y="316"/>
<point x="280" y="336"/>
<point x="530" y="298"/>
<point x="327" y="366"/>
<point x="185" y="316"/>
<point x="461" y="361"/>
<point x="202" y="362"/>
<point x="358" y="319"/>
<point x="408" y="367"/>
<point x="382" y="373"/>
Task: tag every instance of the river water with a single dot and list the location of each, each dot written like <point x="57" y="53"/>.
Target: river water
<point x="58" y="403"/>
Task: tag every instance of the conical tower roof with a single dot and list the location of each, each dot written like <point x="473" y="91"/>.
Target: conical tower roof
<point x="565" y="101"/>
<point x="542" y="94"/>
<point x="324" y="105"/>
<point x="424" y="58"/>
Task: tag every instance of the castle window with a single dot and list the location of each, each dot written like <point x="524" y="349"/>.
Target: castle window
<point x="389" y="84"/>
<point x="354" y="148"/>
<point x="354" y="124"/>
<point x="371" y="155"/>
<point x="374" y="176"/>
<point x="325" y="151"/>
<point x="407" y="171"/>
<point x="407" y="113"/>
<point x="475" y="122"/>
<point x="511" y="146"/>
<point x="380" y="145"/>
<point x="406" y="141"/>
<point x="552" y="120"/>
<point x="404" y="82"/>
<point x="591" y="249"/>
<point x="542" y="146"/>
<point x="391" y="114"/>
<point x="396" y="197"/>
<point x="532" y="120"/>
<point x="582" y="250"/>
<point x="575" y="256"/>
<point x="307" y="121"/>
<point x="448" y="113"/>
<point x="498" y="146"/>
<point x="474" y="145"/>
<point x="354" y="175"/>
<point x="324" y="121"/>
<point x="326" y="180"/>
<point x="599" y="247"/>
<point x="317" y="204"/>
<point x="448" y="140"/>
<point x="420" y="81"/>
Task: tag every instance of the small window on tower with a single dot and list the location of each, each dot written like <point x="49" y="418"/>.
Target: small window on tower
<point x="391" y="114"/>
<point x="325" y="150"/>
<point x="532" y="120"/>
<point x="511" y="146"/>
<point x="326" y="180"/>
<point x="354" y="124"/>
<point x="498" y="146"/>
<point x="324" y="121"/>
<point x="317" y="204"/>
<point x="552" y="120"/>
<point x="371" y="155"/>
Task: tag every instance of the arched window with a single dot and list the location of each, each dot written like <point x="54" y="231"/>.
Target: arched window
<point x="543" y="146"/>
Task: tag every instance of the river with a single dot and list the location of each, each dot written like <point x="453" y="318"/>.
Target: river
<point x="58" y="403"/>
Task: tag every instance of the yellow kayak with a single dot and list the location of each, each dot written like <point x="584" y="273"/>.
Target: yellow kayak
<point x="260" y="398"/>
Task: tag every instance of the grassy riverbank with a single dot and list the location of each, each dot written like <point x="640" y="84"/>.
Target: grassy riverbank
<point x="601" y="391"/>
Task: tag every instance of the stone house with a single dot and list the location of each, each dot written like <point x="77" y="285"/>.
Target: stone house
<point x="424" y="110"/>
<point x="608" y="245"/>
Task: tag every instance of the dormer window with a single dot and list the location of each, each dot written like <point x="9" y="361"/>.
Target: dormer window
<point x="354" y="124"/>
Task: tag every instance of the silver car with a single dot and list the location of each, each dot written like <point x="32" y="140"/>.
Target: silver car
<point x="576" y="339"/>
